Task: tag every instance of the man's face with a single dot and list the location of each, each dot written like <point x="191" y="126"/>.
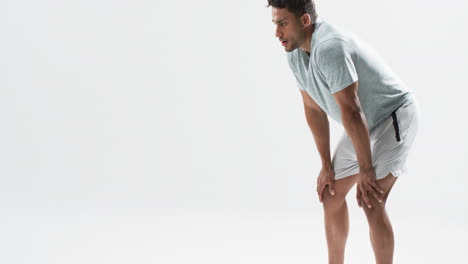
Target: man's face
<point x="288" y="29"/>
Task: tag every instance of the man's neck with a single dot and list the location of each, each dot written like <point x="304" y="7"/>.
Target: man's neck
<point x="306" y="44"/>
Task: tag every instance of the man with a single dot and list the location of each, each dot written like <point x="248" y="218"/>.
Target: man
<point x="340" y="76"/>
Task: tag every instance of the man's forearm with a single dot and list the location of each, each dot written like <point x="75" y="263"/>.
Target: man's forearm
<point x="319" y="125"/>
<point x="356" y="127"/>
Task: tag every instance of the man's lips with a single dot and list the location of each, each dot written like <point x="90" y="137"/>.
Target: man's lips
<point x="283" y="42"/>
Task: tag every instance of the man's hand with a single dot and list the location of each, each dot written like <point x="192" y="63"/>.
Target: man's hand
<point x="366" y="183"/>
<point x="326" y="177"/>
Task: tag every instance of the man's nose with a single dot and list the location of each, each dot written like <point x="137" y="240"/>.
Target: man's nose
<point x="278" y="33"/>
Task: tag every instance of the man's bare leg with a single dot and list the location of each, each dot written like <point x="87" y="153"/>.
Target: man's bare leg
<point x="337" y="219"/>
<point x="380" y="228"/>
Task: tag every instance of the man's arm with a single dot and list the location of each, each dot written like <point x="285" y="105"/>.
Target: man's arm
<point x="355" y="124"/>
<point x="318" y="122"/>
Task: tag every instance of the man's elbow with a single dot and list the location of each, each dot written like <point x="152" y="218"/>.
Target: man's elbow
<point x="352" y="114"/>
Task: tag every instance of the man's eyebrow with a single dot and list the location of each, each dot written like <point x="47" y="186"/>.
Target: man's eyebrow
<point x="279" y="21"/>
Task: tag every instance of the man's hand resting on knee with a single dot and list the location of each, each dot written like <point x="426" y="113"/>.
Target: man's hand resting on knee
<point x="326" y="177"/>
<point x="367" y="183"/>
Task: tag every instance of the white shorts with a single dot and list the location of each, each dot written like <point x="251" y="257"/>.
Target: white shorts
<point x="391" y="141"/>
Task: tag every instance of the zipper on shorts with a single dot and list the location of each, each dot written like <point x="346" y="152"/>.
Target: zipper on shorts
<point x="395" y="125"/>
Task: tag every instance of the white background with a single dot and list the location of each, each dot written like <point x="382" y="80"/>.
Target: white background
<point x="173" y="132"/>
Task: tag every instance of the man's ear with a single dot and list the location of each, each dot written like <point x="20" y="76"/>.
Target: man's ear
<point x="305" y="20"/>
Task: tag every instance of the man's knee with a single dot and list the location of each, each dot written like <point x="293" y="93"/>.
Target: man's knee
<point x="377" y="207"/>
<point x="333" y="202"/>
<point x="375" y="214"/>
<point x="342" y="187"/>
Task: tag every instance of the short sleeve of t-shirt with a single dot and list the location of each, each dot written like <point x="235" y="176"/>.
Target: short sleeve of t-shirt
<point x="335" y="59"/>
<point x="296" y="74"/>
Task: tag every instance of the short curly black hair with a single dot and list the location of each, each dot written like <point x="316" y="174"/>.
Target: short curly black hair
<point x="298" y="7"/>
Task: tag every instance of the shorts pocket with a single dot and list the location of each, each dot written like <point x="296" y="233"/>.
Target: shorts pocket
<point x="396" y="126"/>
<point x="404" y="119"/>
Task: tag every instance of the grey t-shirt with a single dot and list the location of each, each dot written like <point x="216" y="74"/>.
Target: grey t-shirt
<point x="338" y="59"/>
